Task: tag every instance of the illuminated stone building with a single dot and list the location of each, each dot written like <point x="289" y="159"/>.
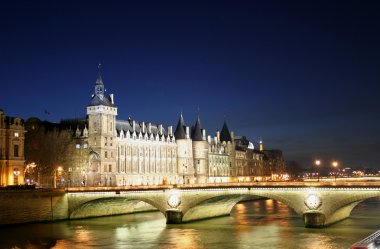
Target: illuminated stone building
<point x="11" y="150"/>
<point x="219" y="164"/>
<point x="107" y="151"/>
<point x="249" y="162"/>
<point x="127" y="152"/>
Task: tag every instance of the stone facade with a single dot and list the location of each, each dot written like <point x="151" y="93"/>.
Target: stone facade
<point x="219" y="160"/>
<point x="11" y="150"/>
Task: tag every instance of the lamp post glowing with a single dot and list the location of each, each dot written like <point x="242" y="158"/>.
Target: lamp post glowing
<point x="59" y="172"/>
<point x="335" y="165"/>
<point x="16" y="173"/>
<point x="317" y="163"/>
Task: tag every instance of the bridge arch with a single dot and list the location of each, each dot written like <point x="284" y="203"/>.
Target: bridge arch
<point x="213" y="204"/>
<point x="103" y="204"/>
<point x="339" y="206"/>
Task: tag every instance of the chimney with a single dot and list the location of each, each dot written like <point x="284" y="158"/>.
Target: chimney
<point x="232" y="136"/>
<point x="111" y="97"/>
<point x="143" y="127"/>
<point x="216" y="140"/>
<point x="187" y="132"/>
<point x="134" y="125"/>
<point x="204" y="134"/>
<point x="170" y="130"/>
<point x="149" y="128"/>
<point x="218" y="136"/>
<point x="209" y="139"/>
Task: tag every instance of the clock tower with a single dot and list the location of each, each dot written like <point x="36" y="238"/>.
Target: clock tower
<point x="102" y="112"/>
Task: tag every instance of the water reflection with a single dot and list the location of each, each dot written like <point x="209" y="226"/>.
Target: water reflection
<point x="257" y="224"/>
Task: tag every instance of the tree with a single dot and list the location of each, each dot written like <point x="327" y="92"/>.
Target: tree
<point x="48" y="147"/>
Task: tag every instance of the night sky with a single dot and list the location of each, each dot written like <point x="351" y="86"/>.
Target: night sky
<point x="302" y="75"/>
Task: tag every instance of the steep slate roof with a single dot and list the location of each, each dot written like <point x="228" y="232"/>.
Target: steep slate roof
<point x="225" y="135"/>
<point x="180" y="132"/>
<point x="99" y="99"/>
<point x="196" y="132"/>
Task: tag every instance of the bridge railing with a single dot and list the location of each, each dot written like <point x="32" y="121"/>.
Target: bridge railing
<point x="340" y="184"/>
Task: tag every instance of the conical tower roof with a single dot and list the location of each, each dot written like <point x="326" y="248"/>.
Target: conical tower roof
<point x="180" y="132"/>
<point x="196" y="133"/>
<point x="225" y="135"/>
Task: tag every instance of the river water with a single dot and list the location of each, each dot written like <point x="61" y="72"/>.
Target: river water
<point x="254" y="224"/>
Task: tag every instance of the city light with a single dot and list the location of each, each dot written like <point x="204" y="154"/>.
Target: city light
<point x="317" y="163"/>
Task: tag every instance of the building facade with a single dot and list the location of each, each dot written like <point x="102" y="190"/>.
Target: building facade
<point x="107" y="151"/>
<point x="11" y="150"/>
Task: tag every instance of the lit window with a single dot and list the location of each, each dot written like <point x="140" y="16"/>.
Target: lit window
<point x="85" y="146"/>
<point x="17" y="134"/>
<point x="77" y="146"/>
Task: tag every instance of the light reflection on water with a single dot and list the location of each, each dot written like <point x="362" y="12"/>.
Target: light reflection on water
<point x="257" y="224"/>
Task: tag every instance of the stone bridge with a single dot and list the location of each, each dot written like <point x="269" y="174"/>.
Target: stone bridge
<point x="318" y="204"/>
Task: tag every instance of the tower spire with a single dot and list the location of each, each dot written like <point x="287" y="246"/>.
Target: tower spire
<point x="180" y="132"/>
<point x="99" y="80"/>
<point x="99" y="86"/>
<point x="225" y="135"/>
<point x="196" y="133"/>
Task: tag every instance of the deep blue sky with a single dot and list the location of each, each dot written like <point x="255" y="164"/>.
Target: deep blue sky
<point x="302" y="75"/>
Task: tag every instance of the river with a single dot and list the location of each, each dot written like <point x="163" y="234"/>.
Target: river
<point x="254" y="224"/>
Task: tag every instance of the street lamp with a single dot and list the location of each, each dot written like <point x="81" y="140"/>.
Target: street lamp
<point x="29" y="173"/>
<point x="16" y="173"/>
<point x="59" y="172"/>
<point x="317" y="163"/>
<point x="335" y="165"/>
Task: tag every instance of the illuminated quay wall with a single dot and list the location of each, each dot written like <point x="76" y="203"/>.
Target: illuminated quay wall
<point x="22" y="206"/>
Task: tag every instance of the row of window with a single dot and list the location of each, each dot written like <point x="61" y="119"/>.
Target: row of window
<point x="145" y="150"/>
<point x="146" y="168"/>
<point x="151" y="138"/>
